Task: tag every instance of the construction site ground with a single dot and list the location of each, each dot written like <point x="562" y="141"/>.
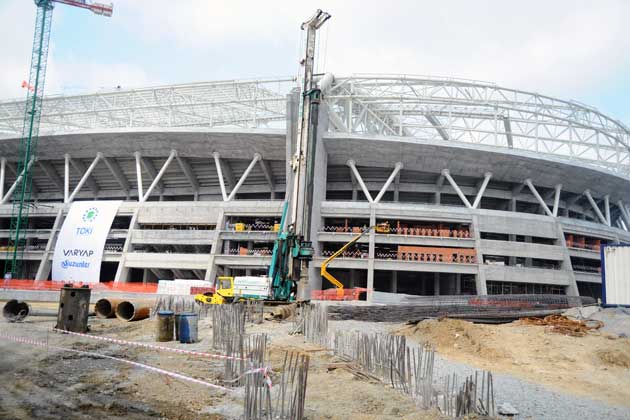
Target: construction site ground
<point x="52" y="384"/>
<point x="544" y="375"/>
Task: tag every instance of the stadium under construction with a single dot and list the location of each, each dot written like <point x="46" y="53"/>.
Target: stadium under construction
<point x="486" y="190"/>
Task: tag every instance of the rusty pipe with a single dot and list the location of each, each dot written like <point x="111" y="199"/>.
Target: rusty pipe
<point x="15" y="310"/>
<point x="106" y="307"/>
<point x="130" y="311"/>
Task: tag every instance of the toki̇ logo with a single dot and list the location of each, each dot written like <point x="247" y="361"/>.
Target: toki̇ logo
<point x="83" y="231"/>
<point x="90" y="215"/>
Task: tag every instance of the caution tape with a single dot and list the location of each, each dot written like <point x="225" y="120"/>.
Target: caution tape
<point x="264" y="370"/>
<point x="152" y="346"/>
<point x="117" y="359"/>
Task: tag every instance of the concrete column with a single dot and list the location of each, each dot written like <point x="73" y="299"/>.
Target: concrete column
<point x="211" y="270"/>
<point x="45" y="264"/>
<point x="3" y="165"/>
<point x="122" y="273"/>
<point x="423" y="287"/>
<point x="480" y="281"/>
<point x="319" y="195"/>
<point x="370" y="271"/>
<point x="528" y="261"/>
<point x="353" y="278"/>
<point x="394" y="283"/>
<point x="572" y="289"/>
<point x="512" y="258"/>
<point x="436" y="284"/>
<point x="458" y="284"/>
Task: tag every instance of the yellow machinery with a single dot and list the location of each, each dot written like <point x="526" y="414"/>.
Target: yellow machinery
<point x="380" y="228"/>
<point x="223" y="294"/>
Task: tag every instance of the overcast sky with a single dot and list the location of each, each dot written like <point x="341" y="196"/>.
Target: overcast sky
<point x="570" y="49"/>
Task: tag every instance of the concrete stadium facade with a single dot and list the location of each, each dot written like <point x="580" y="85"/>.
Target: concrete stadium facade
<point x="486" y="190"/>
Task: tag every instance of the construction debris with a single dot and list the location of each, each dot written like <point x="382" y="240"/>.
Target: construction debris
<point x="507" y="409"/>
<point x="562" y="325"/>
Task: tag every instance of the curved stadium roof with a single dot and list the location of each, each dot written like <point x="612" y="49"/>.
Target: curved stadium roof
<point x="451" y="110"/>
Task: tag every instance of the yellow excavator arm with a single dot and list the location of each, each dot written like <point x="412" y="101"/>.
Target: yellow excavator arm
<point x="324" y="269"/>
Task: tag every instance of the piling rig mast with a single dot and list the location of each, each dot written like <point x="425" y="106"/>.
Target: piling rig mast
<point x="293" y="249"/>
<point x="30" y="131"/>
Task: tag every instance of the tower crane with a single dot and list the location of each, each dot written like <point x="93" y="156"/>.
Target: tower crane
<point x="30" y="131"/>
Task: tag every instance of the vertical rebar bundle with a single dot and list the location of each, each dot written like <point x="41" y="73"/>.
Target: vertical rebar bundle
<point x="390" y="359"/>
<point x="314" y="324"/>
<point x="227" y="321"/>
<point x="254" y="311"/>
<point x="469" y="398"/>
<point x="245" y="352"/>
<point x="289" y="392"/>
<point x="177" y="304"/>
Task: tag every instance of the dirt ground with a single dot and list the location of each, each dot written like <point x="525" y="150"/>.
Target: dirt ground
<point x="597" y="365"/>
<point x="36" y="383"/>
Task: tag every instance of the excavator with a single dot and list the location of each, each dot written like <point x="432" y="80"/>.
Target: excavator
<point x="287" y="278"/>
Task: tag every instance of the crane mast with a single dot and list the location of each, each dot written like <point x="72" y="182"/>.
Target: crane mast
<point x="27" y="153"/>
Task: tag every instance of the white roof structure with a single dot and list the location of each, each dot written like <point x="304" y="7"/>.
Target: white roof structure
<point x="452" y="110"/>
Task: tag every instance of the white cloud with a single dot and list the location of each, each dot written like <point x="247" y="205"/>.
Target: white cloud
<point x="567" y="48"/>
<point x="16" y="38"/>
<point x="96" y="76"/>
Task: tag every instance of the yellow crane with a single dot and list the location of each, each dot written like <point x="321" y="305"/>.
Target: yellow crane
<point x="380" y="228"/>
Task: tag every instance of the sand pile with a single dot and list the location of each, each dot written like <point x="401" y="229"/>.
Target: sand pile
<point x="596" y="365"/>
<point x="458" y="335"/>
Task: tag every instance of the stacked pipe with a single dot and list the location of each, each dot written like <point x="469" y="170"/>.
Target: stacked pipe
<point x="133" y="311"/>
<point x="106" y="308"/>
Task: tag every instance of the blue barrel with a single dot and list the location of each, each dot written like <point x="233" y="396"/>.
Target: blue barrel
<point x="188" y="327"/>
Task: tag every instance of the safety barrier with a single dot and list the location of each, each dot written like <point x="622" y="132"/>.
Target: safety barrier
<point x="428" y="231"/>
<point x="428" y="254"/>
<point x="21" y="284"/>
<point x="338" y="294"/>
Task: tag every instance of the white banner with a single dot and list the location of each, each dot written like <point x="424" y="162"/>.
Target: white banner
<point x="79" y="248"/>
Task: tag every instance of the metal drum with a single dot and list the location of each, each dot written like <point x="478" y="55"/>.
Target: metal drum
<point x="74" y="308"/>
<point x="165" y="326"/>
<point x="188" y="327"/>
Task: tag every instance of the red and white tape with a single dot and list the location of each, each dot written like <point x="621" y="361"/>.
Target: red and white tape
<point x="151" y="346"/>
<point x="137" y="364"/>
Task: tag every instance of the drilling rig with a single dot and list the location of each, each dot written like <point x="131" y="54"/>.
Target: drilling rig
<point x="293" y="250"/>
<point x="30" y="131"/>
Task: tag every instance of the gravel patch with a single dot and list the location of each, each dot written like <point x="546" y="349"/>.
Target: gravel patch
<point x="535" y="401"/>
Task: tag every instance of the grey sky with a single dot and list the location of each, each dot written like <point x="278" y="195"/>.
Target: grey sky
<point x="570" y="49"/>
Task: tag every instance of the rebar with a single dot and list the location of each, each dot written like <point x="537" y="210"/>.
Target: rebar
<point x="227" y="321"/>
<point x="179" y="303"/>
<point x="469" y="398"/>
<point x="313" y="324"/>
<point x="254" y="311"/>
<point x="289" y="391"/>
